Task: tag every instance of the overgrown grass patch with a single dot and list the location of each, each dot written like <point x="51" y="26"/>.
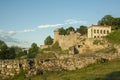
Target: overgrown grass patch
<point x="107" y="50"/>
<point x="92" y="72"/>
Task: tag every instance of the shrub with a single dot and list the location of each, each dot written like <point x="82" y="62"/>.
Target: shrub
<point x="56" y="46"/>
<point x="98" y="42"/>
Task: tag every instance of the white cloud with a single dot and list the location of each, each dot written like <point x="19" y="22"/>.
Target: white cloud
<point x="50" y="25"/>
<point x="8" y="38"/>
<point x="73" y="21"/>
<point x="11" y="33"/>
<point x="27" y="30"/>
<point x="66" y="22"/>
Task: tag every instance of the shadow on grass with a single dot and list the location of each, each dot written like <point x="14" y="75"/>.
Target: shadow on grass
<point x="111" y="76"/>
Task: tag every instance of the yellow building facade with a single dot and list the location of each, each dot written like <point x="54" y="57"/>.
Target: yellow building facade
<point x="96" y="31"/>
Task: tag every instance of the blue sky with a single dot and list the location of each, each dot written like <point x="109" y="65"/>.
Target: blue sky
<point x="23" y="22"/>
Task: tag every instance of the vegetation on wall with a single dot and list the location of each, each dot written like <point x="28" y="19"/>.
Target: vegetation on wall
<point x="82" y="30"/>
<point x="67" y="31"/>
<point x="54" y="47"/>
<point x="98" y="42"/>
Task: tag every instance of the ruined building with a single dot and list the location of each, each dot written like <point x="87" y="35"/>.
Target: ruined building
<point x="77" y="43"/>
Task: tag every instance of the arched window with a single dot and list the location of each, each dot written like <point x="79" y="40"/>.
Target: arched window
<point x="94" y="31"/>
<point x="94" y="36"/>
<point x="98" y="31"/>
<point x="101" y="31"/>
<point x="107" y="31"/>
<point x="104" y="32"/>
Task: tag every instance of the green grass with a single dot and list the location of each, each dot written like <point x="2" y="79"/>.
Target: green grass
<point x="99" y="71"/>
<point x="114" y="37"/>
<point x="107" y="50"/>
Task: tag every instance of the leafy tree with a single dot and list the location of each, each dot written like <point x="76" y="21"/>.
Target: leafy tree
<point x="33" y="50"/>
<point x="48" y="41"/>
<point x="6" y="52"/>
<point x="69" y="29"/>
<point x="82" y="30"/>
<point x="19" y="52"/>
<point x="110" y="21"/>
<point x="12" y="53"/>
<point x="106" y="20"/>
<point x="116" y="23"/>
<point x="3" y="50"/>
<point x="62" y="31"/>
<point x="2" y="44"/>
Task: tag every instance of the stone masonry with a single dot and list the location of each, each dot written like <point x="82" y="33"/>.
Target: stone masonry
<point x="9" y="68"/>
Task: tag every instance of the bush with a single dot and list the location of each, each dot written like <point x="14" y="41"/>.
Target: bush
<point x="98" y="42"/>
<point x="56" y="46"/>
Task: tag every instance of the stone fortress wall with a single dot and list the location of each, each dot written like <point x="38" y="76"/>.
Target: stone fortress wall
<point x="9" y="68"/>
<point x="66" y="41"/>
<point x="82" y="44"/>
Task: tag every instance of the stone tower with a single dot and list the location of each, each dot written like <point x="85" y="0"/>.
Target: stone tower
<point x="56" y="35"/>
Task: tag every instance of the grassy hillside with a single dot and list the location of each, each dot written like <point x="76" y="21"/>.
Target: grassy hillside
<point x="114" y="37"/>
<point x="99" y="71"/>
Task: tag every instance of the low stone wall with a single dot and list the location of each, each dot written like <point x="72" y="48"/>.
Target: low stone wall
<point x="65" y="64"/>
<point x="45" y="46"/>
<point x="11" y="67"/>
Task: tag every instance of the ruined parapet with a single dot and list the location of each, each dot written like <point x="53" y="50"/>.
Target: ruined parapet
<point x="45" y="46"/>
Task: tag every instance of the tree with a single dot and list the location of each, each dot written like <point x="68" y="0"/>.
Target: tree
<point x="62" y="31"/>
<point x="48" y="41"/>
<point x="69" y="29"/>
<point x="12" y="53"/>
<point x="6" y="52"/>
<point x="3" y="50"/>
<point x="82" y="30"/>
<point x="106" y="20"/>
<point x="110" y="21"/>
<point x="19" y="52"/>
<point x="116" y="23"/>
<point x="33" y="50"/>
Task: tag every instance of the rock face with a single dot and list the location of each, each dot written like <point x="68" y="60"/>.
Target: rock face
<point x="33" y="66"/>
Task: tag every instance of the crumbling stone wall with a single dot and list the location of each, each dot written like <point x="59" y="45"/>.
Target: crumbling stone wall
<point x="66" y="41"/>
<point x="11" y="67"/>
<point x="76" y="40"/>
